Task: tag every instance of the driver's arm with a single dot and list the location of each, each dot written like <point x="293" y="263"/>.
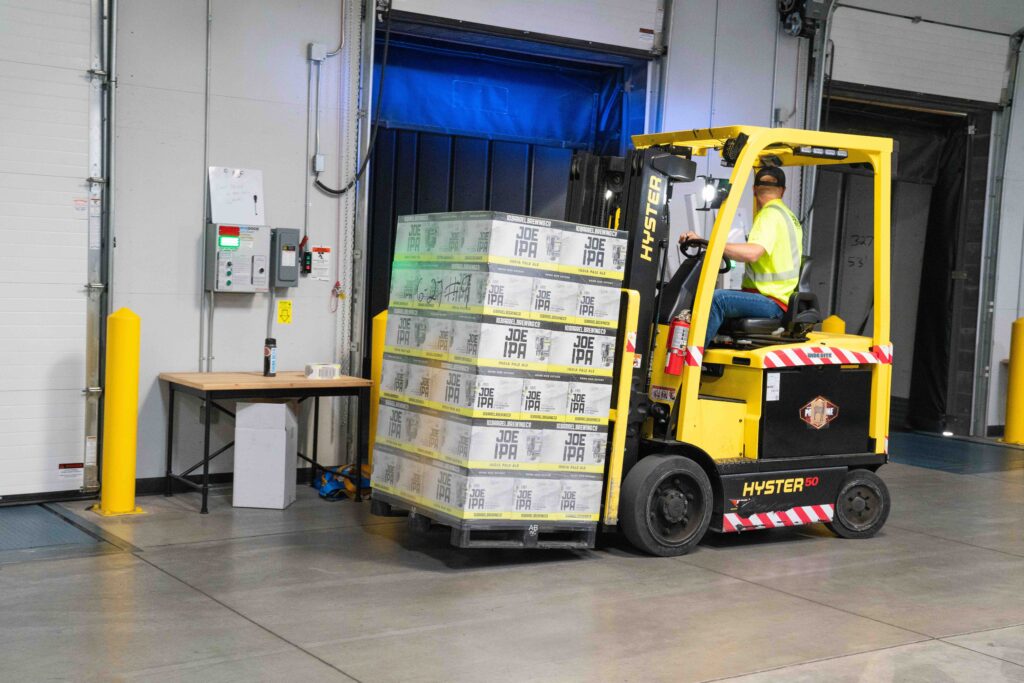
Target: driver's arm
<point x="744" y="252"/>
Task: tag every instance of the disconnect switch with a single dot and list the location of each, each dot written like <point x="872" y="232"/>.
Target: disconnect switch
<point x="284" y="257"/>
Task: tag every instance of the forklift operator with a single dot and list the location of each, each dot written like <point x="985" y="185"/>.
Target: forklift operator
<point x="771" y="254"/>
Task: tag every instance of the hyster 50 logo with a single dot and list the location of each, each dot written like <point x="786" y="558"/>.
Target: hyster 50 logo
<point x="650" y="217"/>
<point x="771" y="487"/>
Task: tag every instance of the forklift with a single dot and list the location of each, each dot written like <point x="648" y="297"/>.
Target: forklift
<point x="776" y="423"/>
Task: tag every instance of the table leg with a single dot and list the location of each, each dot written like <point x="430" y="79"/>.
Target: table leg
<point x="168" y="482"/>
<point x="207" y="405"/>
<point x="362" y="439"/>
<point x="313" y="481"/>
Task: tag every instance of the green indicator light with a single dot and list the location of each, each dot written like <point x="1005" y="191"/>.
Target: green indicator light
<point x="229" y="241"/>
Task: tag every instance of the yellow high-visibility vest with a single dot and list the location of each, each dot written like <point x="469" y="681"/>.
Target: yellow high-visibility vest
<point x="777" y="273"/>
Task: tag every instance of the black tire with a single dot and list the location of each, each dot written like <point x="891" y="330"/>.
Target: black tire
<point x="862" y="505"/>
<point x="665" y="505"/>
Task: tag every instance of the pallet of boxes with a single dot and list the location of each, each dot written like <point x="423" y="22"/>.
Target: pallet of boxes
<point x="497" y="376"/>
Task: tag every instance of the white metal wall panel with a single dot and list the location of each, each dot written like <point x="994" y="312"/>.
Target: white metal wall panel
<point x="44" y="161"/>
<point x="624" y="23"/>
<point x="893" y="52"/>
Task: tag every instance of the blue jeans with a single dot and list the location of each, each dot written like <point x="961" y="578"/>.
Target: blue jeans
<point x="730" y="303"/>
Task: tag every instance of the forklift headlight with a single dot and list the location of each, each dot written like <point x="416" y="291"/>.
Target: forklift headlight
<point x="714" y="192"/>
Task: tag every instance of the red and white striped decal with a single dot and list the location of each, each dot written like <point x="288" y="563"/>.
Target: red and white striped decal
<point x="825" y="355"/>
<point x="694" y="355"/>
<point x="883" y="353"/>
<point x="805" y="514"/>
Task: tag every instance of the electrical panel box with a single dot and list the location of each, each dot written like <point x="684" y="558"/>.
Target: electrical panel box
<point x="284" y="257"/>
<point x="237" y="258"/>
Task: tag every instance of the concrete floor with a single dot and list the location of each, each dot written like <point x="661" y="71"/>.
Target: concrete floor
<point x="325" y="591"/>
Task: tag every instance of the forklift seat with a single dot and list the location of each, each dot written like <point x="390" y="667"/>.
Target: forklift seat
<point x="796" y="322"/>
<point x="801" y="316"/>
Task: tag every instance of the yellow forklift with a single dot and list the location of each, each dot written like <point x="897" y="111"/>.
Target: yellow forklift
<point x="775" y="424"/>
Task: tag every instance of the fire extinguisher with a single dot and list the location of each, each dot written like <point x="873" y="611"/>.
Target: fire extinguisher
<point x="678" y="335"/>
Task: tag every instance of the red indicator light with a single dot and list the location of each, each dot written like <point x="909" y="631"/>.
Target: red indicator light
<point x="229" y="230"/>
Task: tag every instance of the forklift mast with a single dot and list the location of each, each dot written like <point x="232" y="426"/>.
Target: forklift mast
<point x="630" y="193"/>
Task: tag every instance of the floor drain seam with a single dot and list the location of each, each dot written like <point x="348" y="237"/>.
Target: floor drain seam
<point x="983" y="654"/>
<point x="247" y="618"/>
<point x="810" y="600"/>
<point x="819" y="660"/>
<point x="953" y="540"/>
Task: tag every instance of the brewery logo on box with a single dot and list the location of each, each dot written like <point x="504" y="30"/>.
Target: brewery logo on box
<point x="506" y="445"/>
<point x="453" y="389"/>
<point x="527" y="242"/>
<point x="443" y="490"/>
<point x="593" y="251"/>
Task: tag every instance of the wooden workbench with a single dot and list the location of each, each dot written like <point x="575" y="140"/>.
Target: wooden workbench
<point x="212" y="386"/>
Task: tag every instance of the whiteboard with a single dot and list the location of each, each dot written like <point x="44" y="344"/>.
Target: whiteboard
<point x="236" y="196"/>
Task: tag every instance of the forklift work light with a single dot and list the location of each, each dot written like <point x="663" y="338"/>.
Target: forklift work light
<point x="714" y="192"/>
<point x="820" y="152"/>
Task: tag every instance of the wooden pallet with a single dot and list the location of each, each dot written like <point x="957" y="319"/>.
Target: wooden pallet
<point x="491" y="534"/>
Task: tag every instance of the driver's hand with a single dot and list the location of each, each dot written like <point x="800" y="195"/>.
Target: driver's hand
<point x="687" y="236"/>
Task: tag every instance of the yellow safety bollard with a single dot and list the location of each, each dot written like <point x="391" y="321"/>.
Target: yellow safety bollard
<point x="833" y="325"/>
<point x="120" y="416"/>
<point x="377" y="334"/>
<point x="1015" y="387"/>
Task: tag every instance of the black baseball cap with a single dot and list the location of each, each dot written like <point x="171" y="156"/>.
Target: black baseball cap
<point x="773" y="172"/>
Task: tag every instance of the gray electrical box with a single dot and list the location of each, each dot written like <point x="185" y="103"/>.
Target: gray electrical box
<point x="284" y="257"/>
<point x="237" y="258"/>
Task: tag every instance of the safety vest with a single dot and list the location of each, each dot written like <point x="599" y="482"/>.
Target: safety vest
<point x="777" y="273"/>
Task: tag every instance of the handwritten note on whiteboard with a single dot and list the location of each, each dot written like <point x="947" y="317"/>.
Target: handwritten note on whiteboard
<point x="236" y="196"/>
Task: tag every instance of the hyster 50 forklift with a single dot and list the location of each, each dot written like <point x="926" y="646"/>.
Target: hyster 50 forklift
<point x="775" y="424"/>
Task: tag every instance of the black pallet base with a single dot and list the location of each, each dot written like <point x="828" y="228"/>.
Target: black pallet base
<point x="532" y="536"/>
<point x="487" y="534"/>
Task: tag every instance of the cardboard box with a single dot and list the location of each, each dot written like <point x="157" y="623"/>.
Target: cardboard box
<point x="423" y="333"/>
<point x="466" y="494"/>
<point x="597" y="305"/>
<point x="266" y="442"/>
<point x="589" y="401"/>
<point x="596" y="251"/>
<point x="501" y="342"/>
<point x="575" y="446"/>
<point x="544" y="398"/>
<point x="555" y="299"/>
<point x="583" y="350"/>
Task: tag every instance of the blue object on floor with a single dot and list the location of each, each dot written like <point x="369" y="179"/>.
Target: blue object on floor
<point x="958" y="456"/>
<point x="32" y="526"/>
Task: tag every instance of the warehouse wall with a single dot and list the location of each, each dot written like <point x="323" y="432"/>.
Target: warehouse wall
<point x="257" y="119"/>
<point x="728" y="64"/>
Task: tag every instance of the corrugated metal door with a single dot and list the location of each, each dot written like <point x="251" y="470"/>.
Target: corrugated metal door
<point x="47" y="153"/>
<point x="894" y="52"/>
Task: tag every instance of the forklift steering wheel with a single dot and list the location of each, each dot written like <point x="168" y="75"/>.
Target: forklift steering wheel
<point x="699" y="247"/>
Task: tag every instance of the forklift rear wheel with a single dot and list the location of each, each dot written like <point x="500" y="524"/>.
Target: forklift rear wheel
<point x="666" y="505"/>
<point x="862" y="505"/>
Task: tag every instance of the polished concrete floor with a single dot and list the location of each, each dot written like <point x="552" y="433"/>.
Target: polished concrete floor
<point x="324" y="591"/>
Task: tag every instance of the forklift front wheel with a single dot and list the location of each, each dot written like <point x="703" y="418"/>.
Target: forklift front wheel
<point x="666" y="505"/>
<point x="862" y="505"/>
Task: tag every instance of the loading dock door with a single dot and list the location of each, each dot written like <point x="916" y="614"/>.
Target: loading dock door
<point x="472" y="126"/>
<point x="46" y="51"/>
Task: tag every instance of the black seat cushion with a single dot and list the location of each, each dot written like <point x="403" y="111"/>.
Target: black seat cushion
<point x="741" y="326"/>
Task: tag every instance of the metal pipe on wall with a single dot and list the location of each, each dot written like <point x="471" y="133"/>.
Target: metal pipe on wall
<point x="360" y="236"/>
<point x="205" y="316"/>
